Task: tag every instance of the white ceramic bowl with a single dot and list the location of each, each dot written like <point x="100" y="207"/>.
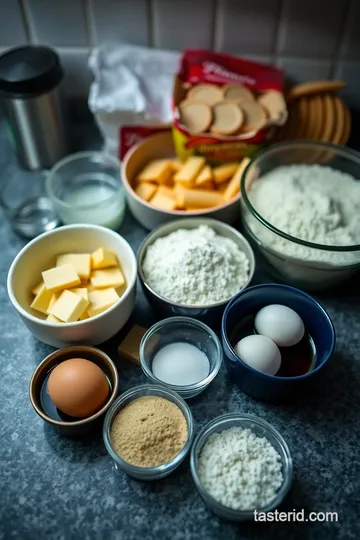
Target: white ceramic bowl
<point x="157" y="147"/>
<point x="40" y="253"/>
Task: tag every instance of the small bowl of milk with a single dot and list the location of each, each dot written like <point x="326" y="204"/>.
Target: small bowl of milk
<point x="181" y="353"/>
<point x="86" y="188"/>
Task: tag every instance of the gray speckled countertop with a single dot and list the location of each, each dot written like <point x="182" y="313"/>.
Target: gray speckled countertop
<point x="57" y="488"/>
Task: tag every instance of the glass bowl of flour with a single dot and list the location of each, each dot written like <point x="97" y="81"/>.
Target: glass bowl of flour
<point x="241" y="466"/>
<point x="301" y="208"/>
<point x="192" y="267"/>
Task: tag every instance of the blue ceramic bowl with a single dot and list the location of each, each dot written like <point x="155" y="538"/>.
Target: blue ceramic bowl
<point x="317" y="323"/>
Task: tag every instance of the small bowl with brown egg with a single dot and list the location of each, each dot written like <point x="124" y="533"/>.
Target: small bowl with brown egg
<point x="160" y="188"/>
<point x="74" y="285"/>
<point x="72" y="388"/>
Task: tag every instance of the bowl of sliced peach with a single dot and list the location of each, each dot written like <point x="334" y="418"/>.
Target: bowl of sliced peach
<point x="160" y="188"/>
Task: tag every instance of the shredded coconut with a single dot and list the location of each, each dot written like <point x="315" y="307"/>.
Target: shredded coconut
<point x="239" y="469"/>
<point x="311" y="202"/>
<point x="195" y="267"/>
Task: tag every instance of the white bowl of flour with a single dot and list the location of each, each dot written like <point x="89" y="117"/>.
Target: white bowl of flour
<point x="305" y="217"/>
<point x="193" y="267"/>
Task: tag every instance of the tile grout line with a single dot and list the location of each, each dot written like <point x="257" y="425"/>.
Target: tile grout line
<point x="280" y="33"/>
<point x="90" y="27"/>
<point x="343" y="39"/>
<point x="27" y="21"/>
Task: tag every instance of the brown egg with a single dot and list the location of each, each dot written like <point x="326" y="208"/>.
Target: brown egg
<point x="78" y="387"/>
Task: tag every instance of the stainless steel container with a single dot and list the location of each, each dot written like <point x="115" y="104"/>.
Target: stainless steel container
<point x="30" y="80"/>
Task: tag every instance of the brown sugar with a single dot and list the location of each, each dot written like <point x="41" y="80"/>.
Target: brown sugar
<point x="149" y="431"/>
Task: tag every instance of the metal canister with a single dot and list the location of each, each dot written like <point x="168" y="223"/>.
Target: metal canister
<point x="30" y="92"/>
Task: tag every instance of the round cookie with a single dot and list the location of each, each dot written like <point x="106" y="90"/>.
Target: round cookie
<point x="254" y="114"/>
<point x="274" y="104"/>
<point x="347" y="125"/>
<point x="227" y="118"/>
<point x="237" y="92"/>
<point x="313" y="87"/>
<point x="329" y="118"/>
<point x="207" y="93"/>
<point x="195" y="116"/>
<point x="303" y="118"/>
<point x="315" y="118"/>
<point x="339" y="122"/>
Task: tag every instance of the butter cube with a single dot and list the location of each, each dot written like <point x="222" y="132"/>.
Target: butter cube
<point x="53" y="299"/>
<point x="80" y="261"/>
<point x="84" y="316"/>
<point x="52" y="318"/>
<point x="60" y="277"/>
<point x="145" y="190"/>
<point x="163" y="201"/>
<point x="110" y="277"/>
<point x="158" y="170"/>
<point x="38" y="288"/>
<point x="176" y="165"/>
<point x="204" y="178"/>
<point x="101" y="300"/>
<point x="102" y="258"/>
<point x="190" y="170"/>
<point x="42" y="300"/>
<point x="224" y="172"/>
<point x="69" y="307"/>
<point x="82" y="291"/>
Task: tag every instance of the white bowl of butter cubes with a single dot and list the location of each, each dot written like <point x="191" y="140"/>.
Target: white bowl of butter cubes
<point x="74" y="285"/>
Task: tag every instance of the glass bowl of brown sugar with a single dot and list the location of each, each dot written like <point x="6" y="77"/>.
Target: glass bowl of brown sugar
<point x="148" y="431"/>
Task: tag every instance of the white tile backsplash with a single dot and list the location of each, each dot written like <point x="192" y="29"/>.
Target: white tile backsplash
<point x="350" y="72"/>
<point x="124" y="20"/>
<point x="351" y="46"/>
<point x="12" y="30"/>
<point x="182" y="24"/>
<point x="310" y="39"/>
<point x="59" y="22"/>
<point x="78" y="77"/>
<point x="300" y="70"/>
<point x="311" y="28"/>
<point x="244" y="27"/>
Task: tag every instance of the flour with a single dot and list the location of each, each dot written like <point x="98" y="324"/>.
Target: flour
<point x="311" y="202"/>
<point x="195" y="267"/>
<point x="239" y="469"/>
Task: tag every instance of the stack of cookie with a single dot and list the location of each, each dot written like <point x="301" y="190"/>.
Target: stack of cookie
<point x="229" y="110"/>
<point x="316" y="112"/>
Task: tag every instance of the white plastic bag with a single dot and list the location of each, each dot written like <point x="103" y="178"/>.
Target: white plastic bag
<point x="132" y="85"/>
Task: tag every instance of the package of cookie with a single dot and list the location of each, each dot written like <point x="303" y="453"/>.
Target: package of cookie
<point x="225" y="107"/>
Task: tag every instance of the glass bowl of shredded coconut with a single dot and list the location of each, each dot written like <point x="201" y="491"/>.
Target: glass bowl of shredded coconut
<point x="301" y="207"/>
<point x="241" y="466"/>
<point x="193" y="267"/>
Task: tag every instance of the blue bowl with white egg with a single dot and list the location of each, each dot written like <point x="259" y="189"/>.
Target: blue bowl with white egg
<point x="276" y="338"/>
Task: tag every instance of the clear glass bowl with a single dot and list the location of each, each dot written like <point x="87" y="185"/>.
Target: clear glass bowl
<point x="318" y="266"/>
<point x="147" y="473"/>
<point x="86" y="188"/>
<point x="181" y="329"/>
<point x="261" y="429"/>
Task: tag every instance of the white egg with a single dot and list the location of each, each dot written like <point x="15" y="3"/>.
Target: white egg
<point x="281" y="324"/>
<point x="260" y="353"/>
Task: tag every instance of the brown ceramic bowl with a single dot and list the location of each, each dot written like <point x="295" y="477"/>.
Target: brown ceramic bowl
<point x="79" y="426"/>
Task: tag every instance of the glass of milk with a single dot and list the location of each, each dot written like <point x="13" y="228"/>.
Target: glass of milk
<point x="86" y="188"/>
